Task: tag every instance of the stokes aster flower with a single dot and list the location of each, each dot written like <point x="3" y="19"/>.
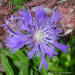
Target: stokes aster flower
<point x="41" y="35"/>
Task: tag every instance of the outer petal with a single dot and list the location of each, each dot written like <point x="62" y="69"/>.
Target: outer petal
<point x="39" y="13"/>
<point x="16" y="42"/>
<point x="26" y="16"/>
<point x="48" y="49"/>
<point x="61" y="47"/>
<point x="43" y="60"/>
<point x="33" y="51"/>
<point x="41" y="63"/>
<point x="55" y="17"/>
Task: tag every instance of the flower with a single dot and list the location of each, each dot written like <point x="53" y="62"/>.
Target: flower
<point x="42" y="34"/>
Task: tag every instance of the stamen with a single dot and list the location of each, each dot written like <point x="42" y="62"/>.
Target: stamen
<point x="39" y="35"/>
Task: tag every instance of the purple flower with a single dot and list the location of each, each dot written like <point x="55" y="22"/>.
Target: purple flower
<point x="42" y="34"/>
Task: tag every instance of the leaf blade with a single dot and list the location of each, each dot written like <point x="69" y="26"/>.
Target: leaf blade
<point x="6" y="66"/>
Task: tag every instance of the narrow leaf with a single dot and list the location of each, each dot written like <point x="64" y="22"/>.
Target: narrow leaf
<point x="6" y="66"/>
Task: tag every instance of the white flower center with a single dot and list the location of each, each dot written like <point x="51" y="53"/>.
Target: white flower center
<point x="39" y="35"/>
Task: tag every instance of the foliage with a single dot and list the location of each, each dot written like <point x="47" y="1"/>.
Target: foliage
<point x="18" y="4"/>
<point x="19" y="64"/>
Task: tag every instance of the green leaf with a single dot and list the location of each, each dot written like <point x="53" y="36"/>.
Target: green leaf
<point x="6" y="66"/>
<point x="18" y="2"/>
<point x="30" y="71"/>
<point x="20" y="60"/>
<point x="54" y="65"/>
<point x="35" y="59"/>
<point x="24" y="68"/>
<point x="73" y="45"/>
<point x="18" y="57"/>
<point x="15" y="9"/>
<point x="55" y="68"/>
<point x="43" y="71"/>
<point x="1" y="73"/>
<point x="36" y="72"/>
<point x="50" y="73"/>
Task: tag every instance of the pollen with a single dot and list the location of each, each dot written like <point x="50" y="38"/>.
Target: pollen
<point x="39" y="35"/>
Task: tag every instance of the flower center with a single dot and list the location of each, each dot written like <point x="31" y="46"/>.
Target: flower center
<point x="39" y="35"/>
